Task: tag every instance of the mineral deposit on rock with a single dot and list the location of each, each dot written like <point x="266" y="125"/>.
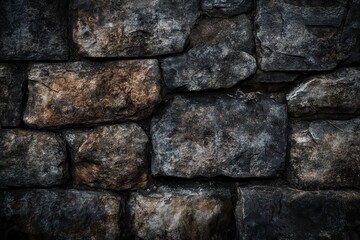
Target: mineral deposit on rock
<point x="305" y="35"/>
<point x="337" y="92"/>
<point x="325" y="153"/>
<point x="284" y="213"/>
<point x="33" y="30"/>
<point x="59" y="215"/>
<point x="235" y="136"/>
<point x="226" y="8"/>
<point x="221" y="55"/>
<point x="132" y="28"/>
<point x="81" y="93"/>
<point x="31" y="158"/>
<point x="111" y="157"/>
<point x="178" y="213"/>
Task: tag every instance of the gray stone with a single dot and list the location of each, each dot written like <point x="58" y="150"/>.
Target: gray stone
<point x="226" y="8"/>
<point x="59" y="214"/>
<point x="177" y="213"/>
<point x="33" y="30"/>
<point x="82" y="93"/>
<point x="336" y="92"/>
<point x="325" y="153"/>
<point x="287" y="214"/>
<point x="132" y="28"/>
<point x="111" y="157"/>
<point x="31" y="158"/>
<point x="234" y="136"/>
<point x="305" y="35"/>
<point x="11" y="81"/>
<point x="219" y="57"/>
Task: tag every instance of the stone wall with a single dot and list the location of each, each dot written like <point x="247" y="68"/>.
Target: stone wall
<point x="180" y="119"/>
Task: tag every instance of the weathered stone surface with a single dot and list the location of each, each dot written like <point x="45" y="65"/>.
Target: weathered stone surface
<point x="59" y="214"/>
<point x="132" y="28"/>
<point x="33" y="30"/>
<point x="325" y="153"/>
<point x="11" y="81"/>
<point x="219" y="57"/>
<point x="336" y="92"/>
<point x="284" y="213"/>
<point x="31" y="158"/>
<point x="83" y="93"/>
<point x="305" y="35"/>
<point x="235" y="136"/>
<point x="177" y="213"/>
<point x="226" y="8"/>
<point x="112" y="157"/>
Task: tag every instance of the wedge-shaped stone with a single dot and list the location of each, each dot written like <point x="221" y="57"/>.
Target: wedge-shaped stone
<point x="336" y="92"/>
<point x="325" y="153"/>
<point x="59" y="214"/>
<point x="84" y="93"/>
<point x="112" y="157"/>
<point x="221" y="55"/>
<point x="31" y="159"/>
<point x="284" y="213"/>
<point x="234" y="136"/>
<point x="226" y="8"/>
<point x="178" y="213"/>
<point x="33" y="30"/>
<point x="132" y="28"/>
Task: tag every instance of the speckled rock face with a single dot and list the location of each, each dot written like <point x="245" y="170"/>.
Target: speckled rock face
<point x="132" y="28"/>
<point x="284" y="213"/>
<point x="33" y="30"/>
<point x="336" y="92"/>
<point x="235" y="136"/>
<point x="31" y="158"/>
<point x="226" y="8"/>
<point x="182" y="214"/>
<point x="11" y="81"/>
<point x="111" y="157"/>
<point x="305" y="35"/>
<point x="325" y="153"/>
<point x="59" y="214"/>
<point x="83" y="93"/>
<point x="221" y="55"/>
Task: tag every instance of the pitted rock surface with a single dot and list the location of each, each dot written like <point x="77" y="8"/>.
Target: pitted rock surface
<point x="226" y="8"/>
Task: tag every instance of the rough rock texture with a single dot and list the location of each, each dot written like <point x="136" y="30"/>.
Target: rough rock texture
<point x="219" y="57"/>
<point x="31" y="158"/>
<point x="284" y="213"/>
<point x="325" y="153"/>
<point x="85" y="93"/>
<point x="59" y="215"/>
<point x="112" y="157"/>
<point x="235" y="136"/>
<point x="11" y="81"/>
<point x="226" y="8"/>
<point x="305" y="35"/>
<point x="178" y="213"/>
<point x="132" y="28"/>
<point x="33" y="30"/>
<point x="336" y="92"/>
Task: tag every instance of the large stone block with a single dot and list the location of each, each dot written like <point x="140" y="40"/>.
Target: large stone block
<point x="83" y="93"/>
<point x="112" y="157"/>
<point x="226" y="8"/>
<point x="284" y="214"/>
<point x="33" y="30"/>
<point x="220" y="56"/>
<point x="295" y="35"/>
<point x="11" y="81"/>
<point x="132" y="28"/>
<point x="325" y="153"/>
<point x="234" y="136"/>
<point x="336" y="92"/>
<point x="177" y="213"/>
<point x="31" y="158"/>
<point x="59" y="215"/>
